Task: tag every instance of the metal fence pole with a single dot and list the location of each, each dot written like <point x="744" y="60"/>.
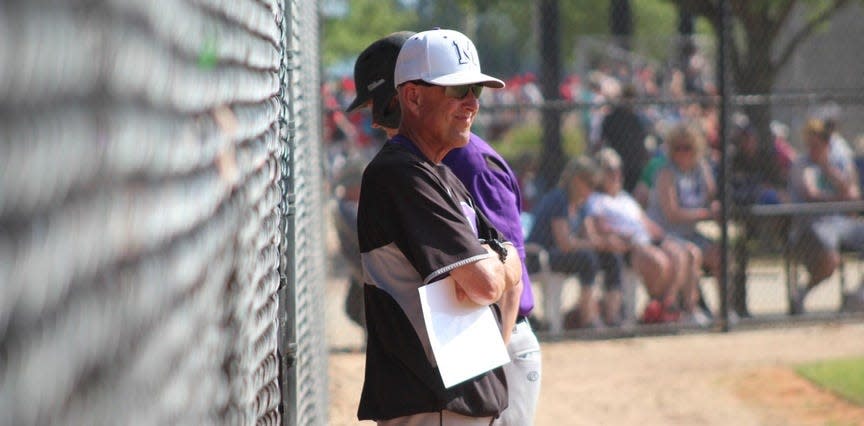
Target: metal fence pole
<point x="725" y="106"/>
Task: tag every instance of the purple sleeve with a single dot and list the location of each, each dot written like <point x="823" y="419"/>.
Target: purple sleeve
<point x="495" y="189"/>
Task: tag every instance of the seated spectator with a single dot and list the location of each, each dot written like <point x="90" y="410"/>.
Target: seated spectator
<point x="756" y="175"/>
<point x="786" y="154"/>
<point x="821" y="175"/>
<point x="684" y="193"/>
<point x="615" y="222"/>
<point x="649" y="175"/>
<point x="859" y="160"/>
<point x="557" y="227"/>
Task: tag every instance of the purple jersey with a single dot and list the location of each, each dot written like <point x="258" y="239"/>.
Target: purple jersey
<point x="495" y="189"/>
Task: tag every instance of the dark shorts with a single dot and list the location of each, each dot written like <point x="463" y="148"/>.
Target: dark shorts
<point x="585" y="264"/>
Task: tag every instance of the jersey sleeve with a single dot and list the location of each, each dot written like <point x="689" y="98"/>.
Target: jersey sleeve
<point x="431" y="225"/>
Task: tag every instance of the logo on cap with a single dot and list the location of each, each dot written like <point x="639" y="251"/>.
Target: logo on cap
<point x="373" y="85"/>
<point x="464" y="52"/>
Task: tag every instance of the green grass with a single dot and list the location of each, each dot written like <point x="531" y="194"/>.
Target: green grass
<point x="844" y="377"/>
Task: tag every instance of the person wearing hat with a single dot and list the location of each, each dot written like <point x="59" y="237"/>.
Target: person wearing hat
<point x="494" y="186"/>
<point x="373" y="82"/>
<point x="820" y="176"/>
<point x="418" y="224"/>
<point x="373" y="78"/>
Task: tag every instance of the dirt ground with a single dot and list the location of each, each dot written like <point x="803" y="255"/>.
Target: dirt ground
<point x="740" y="378"/>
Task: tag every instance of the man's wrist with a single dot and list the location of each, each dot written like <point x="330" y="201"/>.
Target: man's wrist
<point x="498" y="247"/>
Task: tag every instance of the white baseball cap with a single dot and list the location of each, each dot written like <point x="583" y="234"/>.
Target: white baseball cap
<point x="443" y="58"/>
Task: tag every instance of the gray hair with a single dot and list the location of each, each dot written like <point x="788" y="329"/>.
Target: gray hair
<point x="608" y="158"/>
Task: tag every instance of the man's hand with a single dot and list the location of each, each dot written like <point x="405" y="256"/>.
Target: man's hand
<point x="485" y="281"/>
<point x="509" y="304"/>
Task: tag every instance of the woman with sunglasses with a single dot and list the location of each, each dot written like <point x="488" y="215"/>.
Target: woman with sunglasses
<point x="684" y="195"/>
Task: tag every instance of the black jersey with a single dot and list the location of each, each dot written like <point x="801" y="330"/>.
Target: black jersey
<point x="416" y="223"/>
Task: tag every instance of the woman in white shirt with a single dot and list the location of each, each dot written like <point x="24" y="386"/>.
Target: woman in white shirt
<point x="669" y="267"/>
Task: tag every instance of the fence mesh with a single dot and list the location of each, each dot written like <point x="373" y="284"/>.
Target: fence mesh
<point x="150" y="159"/>
<point x="308" y="391"/>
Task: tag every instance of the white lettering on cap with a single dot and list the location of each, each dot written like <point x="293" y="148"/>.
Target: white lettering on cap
<point x="464" y="52"/>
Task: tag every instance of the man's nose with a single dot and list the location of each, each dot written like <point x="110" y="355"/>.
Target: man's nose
<point x="471" y="101"/>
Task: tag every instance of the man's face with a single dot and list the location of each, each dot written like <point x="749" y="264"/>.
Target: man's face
<point x="818" y="148"/>
<point x="583" y="185"/>
<point x="446" y="117"/>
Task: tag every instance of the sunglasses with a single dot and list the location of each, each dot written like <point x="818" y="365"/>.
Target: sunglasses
<point x="455" y="92"/>
<point x="682" y="148"/>
<point x="460" y="92"/>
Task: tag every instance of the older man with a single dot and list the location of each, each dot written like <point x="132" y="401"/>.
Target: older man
<point x="417" y="224"/>
<point x="495" y="188"/>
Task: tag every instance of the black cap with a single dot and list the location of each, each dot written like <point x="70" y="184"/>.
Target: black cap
<point x="373" y="78"/>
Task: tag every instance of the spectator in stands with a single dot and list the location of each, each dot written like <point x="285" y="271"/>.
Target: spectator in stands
<point x="624" y="130"/>
<point x="756" y="174"/>
<point x="592" y="116"/>
<point x="525" y="168"/>
<point x="648" y="176"/>
<point x="819" y="176"/>
<point x="347" y="193"/>
<point x="859" y="159"/>
<point x="684" y="193"/>
<point x="338" y="131"/>
<point x="829" y="114"/>
<point x="786" y="154"/>
<point x="709" y="120"/>
<point x="557" y="227"/>
<point x="669" y="267"/>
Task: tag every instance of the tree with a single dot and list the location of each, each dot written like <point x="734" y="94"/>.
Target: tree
<point x="762" y="41"/>
<point x="506" y="29"/>
<point x="363" y="21"/>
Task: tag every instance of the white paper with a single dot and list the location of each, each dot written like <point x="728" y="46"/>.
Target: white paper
<point x="465" y="338"/>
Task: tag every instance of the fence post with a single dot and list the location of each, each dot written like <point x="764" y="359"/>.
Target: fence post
<point x="723" y="86"/>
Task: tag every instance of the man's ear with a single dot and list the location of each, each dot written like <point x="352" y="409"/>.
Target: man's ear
<point x="410" y="97"/>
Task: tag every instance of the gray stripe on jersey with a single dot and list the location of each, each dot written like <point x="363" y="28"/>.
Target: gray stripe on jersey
<point x="388" y="269"/>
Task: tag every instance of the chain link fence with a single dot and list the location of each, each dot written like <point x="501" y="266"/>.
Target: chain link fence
<point x="159" y="187"/>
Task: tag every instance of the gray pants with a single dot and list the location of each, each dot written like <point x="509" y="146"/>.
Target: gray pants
<point x="523" y="377"/>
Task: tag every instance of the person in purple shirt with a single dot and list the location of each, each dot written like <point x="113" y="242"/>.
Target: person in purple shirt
<point x="495" y="189"/>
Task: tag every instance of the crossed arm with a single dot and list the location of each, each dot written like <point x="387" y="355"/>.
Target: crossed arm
<point x="489" y="281"/>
